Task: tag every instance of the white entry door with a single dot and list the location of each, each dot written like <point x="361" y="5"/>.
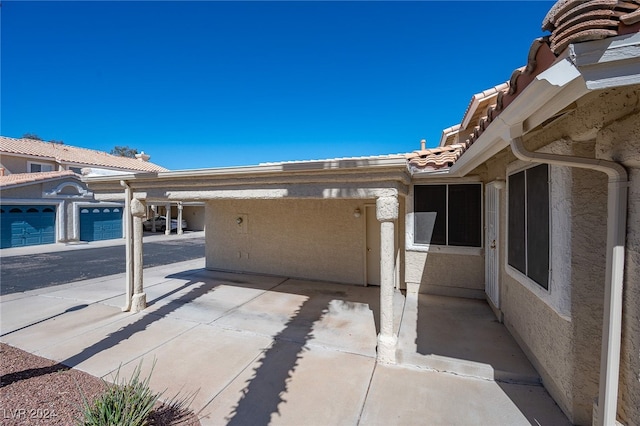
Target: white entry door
<point x="373" y="246"/>
<point x="491" y="249"/>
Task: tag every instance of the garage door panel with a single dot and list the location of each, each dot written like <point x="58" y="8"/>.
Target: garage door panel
<point x="27" y="225"/>
<point x="100" y="223"/>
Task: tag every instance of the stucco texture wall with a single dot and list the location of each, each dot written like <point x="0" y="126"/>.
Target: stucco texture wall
<point x="13" y="164"/>
<point x="545" y="334"/>
<point x="446" y="274"/>
<point x="313" y="239"/>
<point x="194" y="215"/>
<point x="566" y="348"/>
<point x="29" y="191"/>
<point x="619" y="140"/>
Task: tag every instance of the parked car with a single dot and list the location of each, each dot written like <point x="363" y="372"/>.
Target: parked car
<point x="161" y="224"/>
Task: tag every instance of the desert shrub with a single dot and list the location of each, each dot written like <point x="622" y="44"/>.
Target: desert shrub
<point x="123" y="403"/>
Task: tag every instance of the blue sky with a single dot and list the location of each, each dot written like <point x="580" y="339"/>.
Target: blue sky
<point x="210" y="84"/>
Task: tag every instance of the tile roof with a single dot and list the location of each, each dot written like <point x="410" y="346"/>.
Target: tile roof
<point x="21" y="178"/>
<point x="569" y="21"/>
<point x="435" y="159"/>
<point x="479" y="102"/>
<point x="450" y="135"/>
<point x="74" y="155"/>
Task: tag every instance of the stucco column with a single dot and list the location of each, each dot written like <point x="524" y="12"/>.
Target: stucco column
<point x="153" y="217"/>
<point x="387" y="213"/>
<point x="179" y="229"/>
<point x="128" y="235"/>
<point x="167" y="228"/>
<point x="139" y="300"/>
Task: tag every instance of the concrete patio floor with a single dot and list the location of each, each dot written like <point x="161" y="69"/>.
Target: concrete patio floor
<point x="272" y="350"/>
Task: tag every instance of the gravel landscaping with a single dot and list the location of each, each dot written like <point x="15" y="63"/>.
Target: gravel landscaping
<point x="38" y="391"/>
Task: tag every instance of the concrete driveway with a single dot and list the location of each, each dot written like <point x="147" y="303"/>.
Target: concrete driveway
<point x="272" y="350"/>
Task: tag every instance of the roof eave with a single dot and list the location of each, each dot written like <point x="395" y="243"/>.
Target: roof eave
<point x="550" y="92"/>
<point x="275" y="168"/>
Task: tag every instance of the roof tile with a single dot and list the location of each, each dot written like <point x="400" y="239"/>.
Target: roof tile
<point x="21" y="178"/>
<point x="74" y="155"/>
<point x="436" y="158"/>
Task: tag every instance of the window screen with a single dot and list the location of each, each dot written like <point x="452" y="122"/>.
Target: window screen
<point x="431" y="214"/>
<point x="529" y="223"/>
<point x="516" y="240"/>
<point x="538" y="225"/>
<point x="448" y="215"/>
<point x="465" y="215"/>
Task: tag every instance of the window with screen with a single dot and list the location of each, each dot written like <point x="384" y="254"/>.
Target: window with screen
<point x="528" y="223"/>
<point x="448" y="215"/>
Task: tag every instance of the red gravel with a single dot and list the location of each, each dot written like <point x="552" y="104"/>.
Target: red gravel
<point x="38" y="391"/>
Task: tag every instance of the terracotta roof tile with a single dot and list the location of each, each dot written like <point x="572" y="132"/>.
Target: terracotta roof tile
<point x="74" y="155"/>
<point x="479" y="103"/>
<point x="572" y="21"/>
<point x="21" y="178"/>
<point x="450" y="135"/>
<point x="435" y="158"/>
<point x="631" y="18"/>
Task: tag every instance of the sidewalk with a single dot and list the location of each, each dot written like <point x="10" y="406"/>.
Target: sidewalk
<point x="268" y="350"/>
<point x="81" y="245"/>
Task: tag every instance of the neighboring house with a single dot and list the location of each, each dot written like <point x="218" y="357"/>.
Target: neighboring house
<point x="532" y="202"/>
<point x="43" y="199"/>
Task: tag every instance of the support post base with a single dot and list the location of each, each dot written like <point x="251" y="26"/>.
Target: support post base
<point x="387" y="349"/>
<point x="138" y="302"/>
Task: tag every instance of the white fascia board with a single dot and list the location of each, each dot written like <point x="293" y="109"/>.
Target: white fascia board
<point x="303" y="166"/>
<point x="611" y="49"/>
<point x="395" y="161"/>
<point x="451" y="130"/>
<point x="127" y="176"/>
<point x="611" y="62"/>
<point x="537" y="96"/>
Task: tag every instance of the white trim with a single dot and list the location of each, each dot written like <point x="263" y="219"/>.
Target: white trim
<point x="410" y="245"/>
<point x="458" y="250"/>
<point x="82" y="191"/>
<point x="558" y="295"/>
<point x="77" y="205"/>
<point x="31" y="163"/>
<point x="492" y="262"/>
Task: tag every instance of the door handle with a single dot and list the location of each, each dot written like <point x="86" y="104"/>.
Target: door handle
<point x="368" y="249"/>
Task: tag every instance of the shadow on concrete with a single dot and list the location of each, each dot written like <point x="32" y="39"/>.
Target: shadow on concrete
<point x="265" y="389"/>
<point x="71" y="309"/>
<point x="465" y="329"/>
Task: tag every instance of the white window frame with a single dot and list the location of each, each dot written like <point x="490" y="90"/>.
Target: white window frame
<point x="410" y="243"/>
<point x="558" y="295"/>
<point x="32" y="163"/>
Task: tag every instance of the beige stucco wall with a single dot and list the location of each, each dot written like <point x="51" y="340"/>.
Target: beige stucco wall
<point x="620" y="141"/>
<point x="30" y="191"/>
<point x="447" y="274"/>
<point x="562" y="334"/>
<point x="13" y="164"/>
<point x="540" y="327"/>
<point x="629" y="400"/>
<point x="314" y="239"/>
<point x="195" y="217"/>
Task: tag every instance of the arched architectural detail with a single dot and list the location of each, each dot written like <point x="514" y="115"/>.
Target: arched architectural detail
<point x="69" y="189"/>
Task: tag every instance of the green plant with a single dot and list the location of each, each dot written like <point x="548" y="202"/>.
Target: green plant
<point x="128" y="403"/>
